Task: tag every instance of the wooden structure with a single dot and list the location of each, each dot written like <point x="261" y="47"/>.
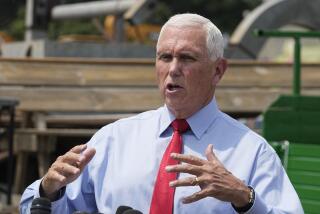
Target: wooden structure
<point x="130" y="85"/>
<point x="7" y="108"/>
<point x="74" y="97"/>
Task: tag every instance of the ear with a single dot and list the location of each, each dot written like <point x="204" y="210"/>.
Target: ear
<point x="220" y="68"/>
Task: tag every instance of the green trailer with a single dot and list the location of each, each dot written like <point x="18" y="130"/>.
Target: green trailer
<point x="296" y="120"/>
<point x="292" y="125"/>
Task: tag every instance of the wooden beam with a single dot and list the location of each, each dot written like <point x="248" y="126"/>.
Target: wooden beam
<point x="58" y="72"/>
<point x="56" y="132"/>
<point x="130" y="100"/>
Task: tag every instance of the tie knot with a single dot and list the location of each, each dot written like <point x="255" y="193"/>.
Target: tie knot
<point x="180" y="125"/>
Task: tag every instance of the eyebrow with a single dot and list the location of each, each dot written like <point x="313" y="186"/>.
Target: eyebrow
<point x="183" y="52"/>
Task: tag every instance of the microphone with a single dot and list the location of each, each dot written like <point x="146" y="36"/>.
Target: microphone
<point x="121" y="209"/>
<point x="40" y="206"/>
<point x="132" y="212"/>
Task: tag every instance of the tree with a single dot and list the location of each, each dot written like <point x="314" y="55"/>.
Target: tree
<point x="226" y="14"/>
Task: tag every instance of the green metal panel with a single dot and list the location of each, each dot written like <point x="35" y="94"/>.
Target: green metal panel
<point x="286" y="102"/>
<point x="296" y="119"/>
<point x="310" y="150"/>
<point x="293" y="118"/>
<point x="304" y="177"/>
<point x="304" y="163"/>
<point x="303" y="169"/>
<point x="311" y="206"/>
<point x="308" y="192"/>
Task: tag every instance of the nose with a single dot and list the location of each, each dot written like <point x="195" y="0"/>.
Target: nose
<point x="174" y="67"/>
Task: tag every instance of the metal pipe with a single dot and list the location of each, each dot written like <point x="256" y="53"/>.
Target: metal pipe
<point x="297" y="67"/>
<point x="288" y="34"/>
<point x="90" y="9"/>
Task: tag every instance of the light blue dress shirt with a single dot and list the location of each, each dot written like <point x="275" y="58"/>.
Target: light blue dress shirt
<point x="128" y="155"/>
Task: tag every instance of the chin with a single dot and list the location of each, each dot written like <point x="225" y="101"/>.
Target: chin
<point x="174" y="106"/>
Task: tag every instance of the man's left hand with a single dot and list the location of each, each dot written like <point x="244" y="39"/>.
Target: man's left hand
<point x="212" y="177"/>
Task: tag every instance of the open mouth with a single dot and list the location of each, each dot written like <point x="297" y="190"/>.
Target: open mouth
<point x="173" y="87"/>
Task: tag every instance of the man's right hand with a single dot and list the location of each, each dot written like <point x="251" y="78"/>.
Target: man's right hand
<point x="66" y="169"/>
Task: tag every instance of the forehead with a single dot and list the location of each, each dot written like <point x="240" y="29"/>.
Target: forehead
<point x="182" y="38"/>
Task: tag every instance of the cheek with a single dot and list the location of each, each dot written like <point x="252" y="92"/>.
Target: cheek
<point x="198" y="84"/>
<point x="161" y="76"/>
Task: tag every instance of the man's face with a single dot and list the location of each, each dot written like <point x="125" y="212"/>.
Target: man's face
<point x="186" y="76"/>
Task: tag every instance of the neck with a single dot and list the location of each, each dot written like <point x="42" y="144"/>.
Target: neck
<point x="186" y="113"/>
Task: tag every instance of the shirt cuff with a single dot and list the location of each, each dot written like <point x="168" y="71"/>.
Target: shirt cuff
<point x="59" y="198"/>
<point x="59" y="195"/>
<point x="258" y="206"/>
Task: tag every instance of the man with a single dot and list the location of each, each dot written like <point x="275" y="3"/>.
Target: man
<point x="223" y="167"/>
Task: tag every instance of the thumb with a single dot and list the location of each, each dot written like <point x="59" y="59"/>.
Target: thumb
<point x="209" y="153"/>
<point x="211" y="156"/>
<point x="86" y="156"/>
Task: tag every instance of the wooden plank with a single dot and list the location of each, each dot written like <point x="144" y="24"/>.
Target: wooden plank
<point x="66" y="132"/>
<point x="269" y="75"/>
<point x="131" y="100"/>
<point x="87" y="119"/>
<point x="84" y="99"/>
<point x="142" y="72"/>
<point x="67" y="74"/>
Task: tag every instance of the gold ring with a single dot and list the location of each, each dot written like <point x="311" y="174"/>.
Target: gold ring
<point x="195" y="181"/>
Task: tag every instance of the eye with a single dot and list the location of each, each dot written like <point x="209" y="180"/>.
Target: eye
<point x="165" y="57"/>
<point x="187" y="58"/>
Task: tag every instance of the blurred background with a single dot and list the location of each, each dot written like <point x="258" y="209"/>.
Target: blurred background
<point x="69" y="67"/>
<point x="122" y="22"/>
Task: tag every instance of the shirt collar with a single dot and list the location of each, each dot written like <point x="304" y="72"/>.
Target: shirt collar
<point x="198" y="122"/>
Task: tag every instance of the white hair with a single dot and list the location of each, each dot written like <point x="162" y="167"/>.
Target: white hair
<point x="213" y="35"/>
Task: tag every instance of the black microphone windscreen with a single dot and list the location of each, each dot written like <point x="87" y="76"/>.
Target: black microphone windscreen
<point x="122" y="209"/>
<point x="40" y="206"/>
<point x="132" y="212"/>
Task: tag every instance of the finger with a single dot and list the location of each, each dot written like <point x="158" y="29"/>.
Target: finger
<point x="209" y="153"/>
<point x="86" y="157"/>
<point x="54" y="176"/>
<point x="70" y="157"/>
<point x="188" y="159"/>
<point x="211" y="156"/>
<point x="186" y="168"/>
<point x="66" y="169"/>
<point x="196" y="196"/>
<point x="79" y="148"/>
<point x="189" y="181"/>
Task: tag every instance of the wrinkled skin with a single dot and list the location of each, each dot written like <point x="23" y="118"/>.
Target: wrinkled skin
<point x="66" y="169"/>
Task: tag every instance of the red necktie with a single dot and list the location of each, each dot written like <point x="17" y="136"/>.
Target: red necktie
<point x="163" y="194"/>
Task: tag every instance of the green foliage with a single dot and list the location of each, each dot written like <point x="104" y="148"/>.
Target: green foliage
<point x="226" y="14"/>
<point x="65" y="27"/>
<point x="16" y="28"/>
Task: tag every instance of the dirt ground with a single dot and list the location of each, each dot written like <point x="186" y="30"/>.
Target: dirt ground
<point x="9" y="209"/>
